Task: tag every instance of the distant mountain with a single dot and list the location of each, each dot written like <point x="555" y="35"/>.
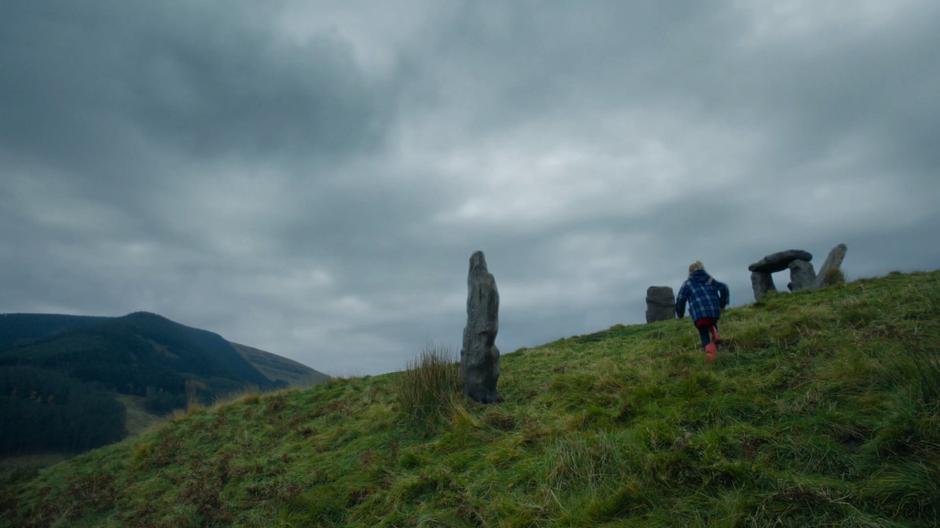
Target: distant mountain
<point x="20" y="329"/>
<point x="281" y="369"/>
<point x="71" y="382"/>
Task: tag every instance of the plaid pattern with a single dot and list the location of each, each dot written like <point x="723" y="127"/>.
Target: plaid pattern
<point x="705" y="295"/>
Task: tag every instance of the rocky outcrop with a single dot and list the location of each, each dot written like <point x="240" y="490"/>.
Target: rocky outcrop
<point x="660" y="304"/>
<point x="762" y="283"/>
<point x="780" y="260"/>
<point x="830" y="270"/>
<point x="802" y="275"/>
<point x="479" y="358"/>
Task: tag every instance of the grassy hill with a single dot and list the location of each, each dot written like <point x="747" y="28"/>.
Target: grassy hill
<point x="823" y="410"/>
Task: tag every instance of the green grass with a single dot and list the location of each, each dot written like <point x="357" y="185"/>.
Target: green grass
<point x="822" y="410"/>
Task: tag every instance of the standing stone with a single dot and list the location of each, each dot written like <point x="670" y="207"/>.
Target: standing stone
<point x="479" y="358"/>
<point x="761" y="283"/>
<point x="780" y="260"/>
<point x="802" y="275"/>
<point x="660" y="304"/>
<point x="831" y="265"/>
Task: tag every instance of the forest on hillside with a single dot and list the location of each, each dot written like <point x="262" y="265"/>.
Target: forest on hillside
<point x="47" y="411"/>
<point x="60" y="376"/>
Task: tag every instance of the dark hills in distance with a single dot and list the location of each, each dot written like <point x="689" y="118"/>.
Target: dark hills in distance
<point x="70" y="383"/>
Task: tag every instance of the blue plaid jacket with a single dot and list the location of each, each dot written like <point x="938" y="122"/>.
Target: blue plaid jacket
<point x="706" y="296"/>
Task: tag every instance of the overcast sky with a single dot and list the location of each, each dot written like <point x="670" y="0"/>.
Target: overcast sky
<point x="311" y="177"/>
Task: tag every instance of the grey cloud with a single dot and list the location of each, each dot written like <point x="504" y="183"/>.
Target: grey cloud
<point x="701" y="64"/>
<point x="88" y="84"/>
<point x="311" y="178"/>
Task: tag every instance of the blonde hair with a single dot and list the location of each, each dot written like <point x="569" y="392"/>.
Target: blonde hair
<point x="695" y="266"/>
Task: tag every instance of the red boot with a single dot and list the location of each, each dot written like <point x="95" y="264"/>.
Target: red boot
<point x="710" y="352"/>
<point x="715" y="337"/>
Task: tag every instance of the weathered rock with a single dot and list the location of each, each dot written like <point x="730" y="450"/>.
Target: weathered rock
<point x="660" y="304"/>
<point x="780" y="260"/>
<point x="762" y="283"/>
<point x="479" y="358"/>
<point x="802" y="275"/>
<point x="831" y="267"/>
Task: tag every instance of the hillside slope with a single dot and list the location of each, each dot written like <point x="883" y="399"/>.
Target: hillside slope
<point x="117" y="352"/>
<point x="68" y="383"/>
<point x="280" y="369"/>
<point x="821" y="411"/>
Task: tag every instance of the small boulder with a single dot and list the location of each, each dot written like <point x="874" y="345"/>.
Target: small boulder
<point x="780" y="260"/>
<point x="761" y="283"/>
<point x="802" y="275"/>
<point x="831" y="267"/>
<point x="660" y="304"/>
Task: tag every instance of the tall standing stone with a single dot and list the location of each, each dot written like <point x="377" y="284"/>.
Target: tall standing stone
<point x="802" y="275"/>
<point x="479" y="358"/>
<point x="660" y="304"/>
<point x="831" y="265"/>
<point x="761" y="283"/>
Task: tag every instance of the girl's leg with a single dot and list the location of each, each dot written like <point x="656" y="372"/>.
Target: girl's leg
<point x="703" y="334"/>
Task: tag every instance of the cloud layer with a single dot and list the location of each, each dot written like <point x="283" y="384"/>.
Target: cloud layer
<point x="310" y="178"/>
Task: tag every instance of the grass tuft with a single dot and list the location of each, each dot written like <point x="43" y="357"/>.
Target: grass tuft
<point x="427" y="389"/>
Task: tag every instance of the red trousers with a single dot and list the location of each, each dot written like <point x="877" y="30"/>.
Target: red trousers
<point x="704" y="326"/>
